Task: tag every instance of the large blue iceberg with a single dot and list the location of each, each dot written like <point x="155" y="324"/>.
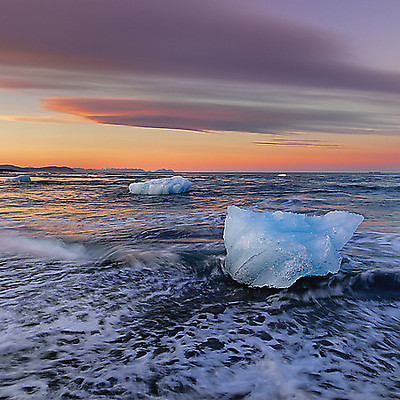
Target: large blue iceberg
<point x="275" y="249"/>
<point x="173" y="185"/>
<point x="19" y="178"/>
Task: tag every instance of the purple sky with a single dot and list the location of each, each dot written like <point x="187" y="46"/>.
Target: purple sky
<point x="184" y="39"/>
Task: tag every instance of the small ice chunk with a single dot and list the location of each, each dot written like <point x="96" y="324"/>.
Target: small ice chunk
<point x="19" y="178"/>
<point x="176" y="184"/>
<point x="275" y="249"/>
<point x="282" y="175"/>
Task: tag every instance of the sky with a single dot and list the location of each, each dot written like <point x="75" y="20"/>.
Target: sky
<point x="212" y="85"/>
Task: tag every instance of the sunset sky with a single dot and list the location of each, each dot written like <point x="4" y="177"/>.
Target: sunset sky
<point x="201" y="85"/>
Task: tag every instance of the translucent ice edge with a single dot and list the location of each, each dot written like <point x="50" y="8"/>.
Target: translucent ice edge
<point x="275" y="249"/>
<point x="176" y="184"/>
<point x="19" y="178"/>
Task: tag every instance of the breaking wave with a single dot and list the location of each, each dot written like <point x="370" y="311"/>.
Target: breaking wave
<point x="49" y="248"/>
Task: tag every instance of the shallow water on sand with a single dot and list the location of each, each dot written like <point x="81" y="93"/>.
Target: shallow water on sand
<point x="108" y="295"/>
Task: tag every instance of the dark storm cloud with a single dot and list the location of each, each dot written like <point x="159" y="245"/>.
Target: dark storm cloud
<point x="212" y="39"/>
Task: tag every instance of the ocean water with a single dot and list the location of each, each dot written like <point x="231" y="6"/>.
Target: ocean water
<point x="107" y="295"/>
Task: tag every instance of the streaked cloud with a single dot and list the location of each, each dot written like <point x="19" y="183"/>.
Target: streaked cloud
<point x="31" y="80"/>
<point x="298" y="142"/>
<point x="15" y="84"/>
<point x="208" y="117"/>
<point x="210" y="39"/>
<point x="40" y="118"/>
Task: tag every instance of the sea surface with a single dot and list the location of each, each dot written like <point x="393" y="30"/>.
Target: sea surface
<point x="107" y="295"/>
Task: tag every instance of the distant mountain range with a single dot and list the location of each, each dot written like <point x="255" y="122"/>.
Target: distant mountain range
<point x="123" y="170"/>
<point x="68" y="170"/>
<point x="52" y="168"/>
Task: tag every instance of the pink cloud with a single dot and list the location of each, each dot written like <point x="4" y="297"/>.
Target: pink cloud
<point x="16" y="84"/>
<point x="193" y="116"/>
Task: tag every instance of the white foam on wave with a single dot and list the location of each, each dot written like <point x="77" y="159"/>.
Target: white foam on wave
<point x="173" y="185"/>
<point x="275" y="249"/>
<point x="49" y="248"/>
<point x="140" y="259"/>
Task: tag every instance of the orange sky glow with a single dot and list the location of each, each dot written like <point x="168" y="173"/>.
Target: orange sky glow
<point x="88" y="145"/>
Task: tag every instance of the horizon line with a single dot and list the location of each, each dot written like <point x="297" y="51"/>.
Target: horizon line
<point x="208" y="171"/>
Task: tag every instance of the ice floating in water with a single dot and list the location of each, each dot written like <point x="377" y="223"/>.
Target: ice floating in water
<point x="275" y="249"/>
<point x="282" y="175"/>
<point x="20" y="178"/>
<point x="176" y="184"/>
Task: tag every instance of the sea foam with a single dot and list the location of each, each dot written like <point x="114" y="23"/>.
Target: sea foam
<point x="275" y="249"/>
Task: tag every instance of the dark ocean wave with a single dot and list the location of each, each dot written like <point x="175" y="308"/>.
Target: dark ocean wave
<point x="104" y="294"/>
